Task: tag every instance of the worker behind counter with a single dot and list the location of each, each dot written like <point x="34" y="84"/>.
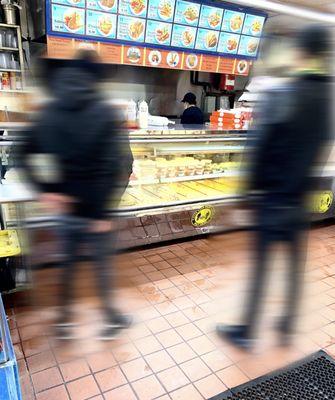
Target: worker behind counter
<point x="192" y="114"/>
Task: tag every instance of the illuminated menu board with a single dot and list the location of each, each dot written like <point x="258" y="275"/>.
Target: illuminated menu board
<point x="213" y="28"/>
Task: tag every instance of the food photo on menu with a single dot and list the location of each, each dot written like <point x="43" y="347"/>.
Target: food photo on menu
<point x="210" y="17"/>
<point x="158" y="33"/>
<point x="191" y="61"/>
<point x="68" y="19"/>
<point x="137" y="8"/>
<point x="161" y="10"/>
<point x="187" y="12"/>
<point x="248" y="46"/>
<point x="76" y="3"/>
<point x="228" y="43"/>
<point x="253" y="25"/>
<point x="101" y="24"/>
<point x="172" y="59"/>
<point x="232" y="21"/>
<point x="130" y="29"/>
<point x="133" y="55"/>
<point x="103" y="5"/>
<point x="207" y="40"/>
<point x="183" y="36"/>
<point x="155" y="58"/>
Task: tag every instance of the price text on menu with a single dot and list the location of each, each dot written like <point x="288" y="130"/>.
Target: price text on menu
<point x="212" y="28"/>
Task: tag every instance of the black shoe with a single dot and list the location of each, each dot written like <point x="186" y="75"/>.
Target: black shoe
<point x="285" y="333"/>
<point x="64" y="331"/>
<point x="119" y="321"/>
<point x="114" y="326"/>
<point x="236" y="335"/>
<point x="109" y="333"/>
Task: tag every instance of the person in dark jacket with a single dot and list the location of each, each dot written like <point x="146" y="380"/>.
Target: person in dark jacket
<point x="81" y="160"/>
<point x="293" y="130"/>
<point x="192" y="114"/>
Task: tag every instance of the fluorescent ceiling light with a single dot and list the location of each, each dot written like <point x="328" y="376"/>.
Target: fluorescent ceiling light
<point x="290" y="10"/>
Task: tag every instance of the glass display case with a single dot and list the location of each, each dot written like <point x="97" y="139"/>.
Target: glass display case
<point x="185" y="182"/>
<point x="175" y="171"/>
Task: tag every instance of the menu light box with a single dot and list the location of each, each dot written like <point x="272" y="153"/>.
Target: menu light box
<point x="200" y="27"/>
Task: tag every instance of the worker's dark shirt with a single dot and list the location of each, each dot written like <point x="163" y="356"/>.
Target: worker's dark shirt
<point x="192" y="115"/>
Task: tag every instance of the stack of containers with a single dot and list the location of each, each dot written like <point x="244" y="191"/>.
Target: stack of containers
<point x="9" y="377"/>
<point x="230" y="120"/>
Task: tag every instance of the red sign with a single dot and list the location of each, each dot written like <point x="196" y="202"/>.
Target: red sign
<point x="148" y="57"/>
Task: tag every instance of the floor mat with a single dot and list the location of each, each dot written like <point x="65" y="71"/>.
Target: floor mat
<point x="312" y="378"/>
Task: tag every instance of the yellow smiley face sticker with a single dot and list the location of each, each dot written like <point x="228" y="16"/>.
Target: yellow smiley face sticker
<point x="203" y="216"/>
<point x="321" y="202"/>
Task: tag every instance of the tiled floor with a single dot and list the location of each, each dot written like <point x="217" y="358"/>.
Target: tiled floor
<point x="177" y="293"/>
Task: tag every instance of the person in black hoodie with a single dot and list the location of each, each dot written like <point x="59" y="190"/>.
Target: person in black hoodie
<point x="82" y="160"/>
<point x="292" y="132"/>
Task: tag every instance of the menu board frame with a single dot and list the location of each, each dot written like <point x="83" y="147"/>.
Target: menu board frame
<point x="223" y="5"/>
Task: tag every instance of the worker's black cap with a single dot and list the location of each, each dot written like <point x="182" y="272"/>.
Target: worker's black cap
<point x="314" y="39"/>
<point x="189" y="98"/>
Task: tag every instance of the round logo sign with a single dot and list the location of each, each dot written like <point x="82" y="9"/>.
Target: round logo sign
<point x="203" y="216"/>
<point x="322" y="201"/>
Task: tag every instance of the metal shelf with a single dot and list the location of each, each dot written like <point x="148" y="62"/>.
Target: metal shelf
<point x="225" y="174"/>
<point x="14" y="91"/>
<point x="9" y="49"/>
<point x="9" y="26"/>
<point x="10" y="70"/>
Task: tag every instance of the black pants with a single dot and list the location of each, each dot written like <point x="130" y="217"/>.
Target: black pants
<point x="296" y="252"/>
<point x="74" y="235"/>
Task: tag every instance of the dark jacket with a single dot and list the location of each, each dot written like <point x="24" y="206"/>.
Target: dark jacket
<point x="192" y="116"/>
<point x="83" y="135"/>
<point x="293" y="129"/>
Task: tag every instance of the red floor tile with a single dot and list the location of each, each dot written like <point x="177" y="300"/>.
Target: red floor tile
<point x="83" y="388"/>
<point x="14" y="333"/>
<point x="157" y="325"/>
<point x="47" y="379"/>
<point x="210" y="386"/>
<point x="18" y="351"/>
<point x="177" y="319"/>
<point x="30" y="331"/>
<point x="35" y="346"/>
<point x="216" y="360"/>
<point x="126" y="352"/>
<point x="159" y="361"/>
<point x="122" y="393"/>
<point x="148" y="345"/>
<point x="74" y="370"/>
<point x="188" y="331"/>
<point x="232" y="376"/>
<point x="100" y="361"/>
<point x="169" y="338"/>
<point x="195" y="369"/>
<point x="27" y="389"/>
<point x="148" y="388"/>
<point x="41" y="361"/>
<point x="136" y="369"/>
<point x="181" y="352"/>
<point x="201" y="345"/>
<point x="110" y="379"/>
<point x="185" y="393"/>
<point x="56" y="393"/>
<point x="173" y="293"/>
<point x="173" y="378"/>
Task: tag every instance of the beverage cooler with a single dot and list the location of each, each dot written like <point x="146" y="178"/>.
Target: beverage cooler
<point x="9" y="377"/>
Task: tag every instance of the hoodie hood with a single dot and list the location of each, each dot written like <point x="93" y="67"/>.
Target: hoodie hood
<point x="74" y="88"/>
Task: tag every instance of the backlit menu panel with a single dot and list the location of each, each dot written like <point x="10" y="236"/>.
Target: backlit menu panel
<point x="212" y="28"/>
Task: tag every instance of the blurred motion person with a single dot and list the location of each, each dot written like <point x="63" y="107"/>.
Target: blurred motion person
<point x="75" y="156"/>
<point x="192" y="114"/>
<point x="294" y="126"/>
